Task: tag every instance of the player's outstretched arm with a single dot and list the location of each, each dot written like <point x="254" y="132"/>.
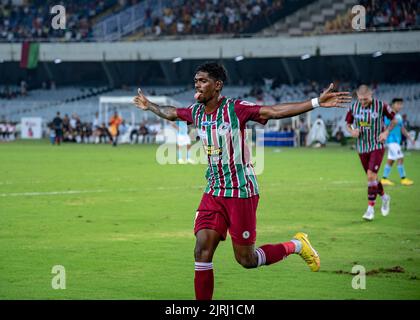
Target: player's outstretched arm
<point x="165" y="112"/>
<point x="328" y="99"/>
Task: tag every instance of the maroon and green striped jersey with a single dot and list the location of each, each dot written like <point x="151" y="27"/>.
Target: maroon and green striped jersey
<point x="370" y="122"/>
<point x="230" y="172"/>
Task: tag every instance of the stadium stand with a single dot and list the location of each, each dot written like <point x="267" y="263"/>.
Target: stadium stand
<point x="380" y="16"/>
<point x="187" y="17"/>
<point x="309" y="17"/>
<point x="328" y="16"/>
<point x="129" y="20"/>
<point x="30" y="21"/>
<point x="113" y="20"/>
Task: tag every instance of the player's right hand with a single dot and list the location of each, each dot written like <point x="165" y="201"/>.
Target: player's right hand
<point x="355" y="133"/>
<point x="141" y="101"/>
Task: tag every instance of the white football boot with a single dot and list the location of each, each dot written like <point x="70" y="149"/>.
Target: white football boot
<point x="386" y="202"/>
<point x="369" y="214"/>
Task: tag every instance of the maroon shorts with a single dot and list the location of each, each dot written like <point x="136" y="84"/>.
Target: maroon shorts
<point x="372" y="160"/>
<point x="238" y="215"/>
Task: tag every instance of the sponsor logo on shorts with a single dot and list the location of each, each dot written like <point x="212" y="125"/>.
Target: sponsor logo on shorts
<point x="245" y="234"/>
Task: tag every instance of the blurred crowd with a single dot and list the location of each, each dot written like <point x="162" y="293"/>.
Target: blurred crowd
<point x="395" y="14"/>
<point x="8" y="92"/>
<point x="209" y="17"/>
<point x="33" y="19"/>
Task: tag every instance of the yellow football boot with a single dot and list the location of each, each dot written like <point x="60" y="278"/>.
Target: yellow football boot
<point x="387" y="182"/>
<point x="406" y="182"/>
<point x="308" y="253"/>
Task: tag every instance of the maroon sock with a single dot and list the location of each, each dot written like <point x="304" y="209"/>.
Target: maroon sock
<point x="272" y="253"/>
<point x="372" y="192"/>
<point x="203" y="281"/>
<point x="381" y="191"/>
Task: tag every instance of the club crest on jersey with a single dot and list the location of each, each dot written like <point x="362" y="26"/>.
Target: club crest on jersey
<point x="374" y="115"/>
<point x="224" y="128"/>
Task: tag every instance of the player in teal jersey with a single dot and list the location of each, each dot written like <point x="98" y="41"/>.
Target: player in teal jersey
<point x="394" y="146"/>
<point x="230" y="200"/>
<point x="365" y="122"/>
<point x="183" y="142"/>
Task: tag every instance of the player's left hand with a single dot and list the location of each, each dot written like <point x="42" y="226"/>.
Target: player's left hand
<point x="383" y="136"/>
<point x="329" y="99"/>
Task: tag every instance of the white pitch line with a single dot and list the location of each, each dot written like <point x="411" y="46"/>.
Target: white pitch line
<point x="58" y="193"/>
<point x="52" y="193"/>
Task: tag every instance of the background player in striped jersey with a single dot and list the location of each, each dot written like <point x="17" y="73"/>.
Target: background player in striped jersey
<point x="367" y="114"/>
<point x="231" y="197"/>
<point x="394" y="146"/>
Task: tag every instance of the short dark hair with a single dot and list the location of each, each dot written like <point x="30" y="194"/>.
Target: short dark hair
<point x="396" y="100"/>
<point x="214" y="69"/>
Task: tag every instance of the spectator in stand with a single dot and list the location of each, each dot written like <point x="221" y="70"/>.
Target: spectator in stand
<point x="211" y="17"/>
<point x="31" y="19"/>
<point x="380" y="14"/>
<point x="23" y="88"/>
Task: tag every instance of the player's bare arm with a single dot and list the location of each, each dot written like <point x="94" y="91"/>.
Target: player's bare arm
<point x="406" y="134"/>
<point x="354" y="132"/>
<point x="165" y="112"/>
<point x="384" y="135"/>
<point x="328" y="99"/>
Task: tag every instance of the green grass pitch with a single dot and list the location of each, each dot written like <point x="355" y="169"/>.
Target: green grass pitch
<point x="121" y="225"/>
